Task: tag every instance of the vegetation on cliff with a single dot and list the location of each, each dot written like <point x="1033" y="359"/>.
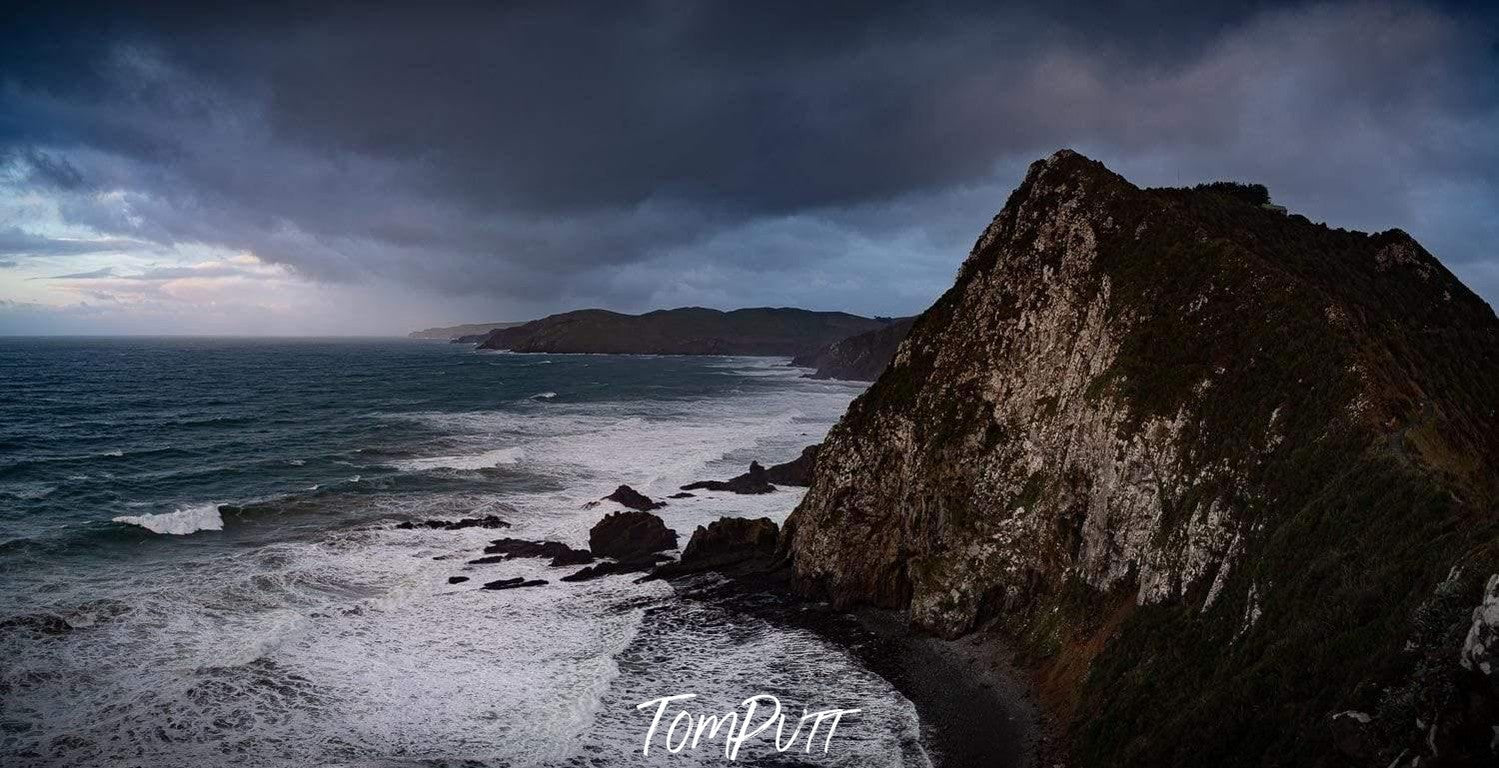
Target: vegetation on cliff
<point x="1221" y="473"/>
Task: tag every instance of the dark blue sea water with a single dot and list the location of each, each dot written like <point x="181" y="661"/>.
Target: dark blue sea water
<point x="198" y="564"/>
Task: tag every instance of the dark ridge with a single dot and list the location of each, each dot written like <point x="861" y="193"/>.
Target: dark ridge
<point x="684" y="331"/>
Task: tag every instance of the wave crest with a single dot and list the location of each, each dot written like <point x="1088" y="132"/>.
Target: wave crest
<point x="203" y="517"/>
<point x="484" y="460"/>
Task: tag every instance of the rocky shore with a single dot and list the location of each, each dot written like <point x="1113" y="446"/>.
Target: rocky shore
<point x="973" y="703"/>
<point x="976" y="707"/>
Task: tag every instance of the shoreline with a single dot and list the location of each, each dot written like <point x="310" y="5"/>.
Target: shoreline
<point x="974" y="705"/>
<point x="976" y="708"/>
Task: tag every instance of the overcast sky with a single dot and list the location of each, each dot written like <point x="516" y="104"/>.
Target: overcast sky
<point x="369" y="169"/>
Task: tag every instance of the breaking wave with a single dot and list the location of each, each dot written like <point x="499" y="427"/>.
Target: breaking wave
<point x="203" y="517"/>
<point x="484" y="460"/>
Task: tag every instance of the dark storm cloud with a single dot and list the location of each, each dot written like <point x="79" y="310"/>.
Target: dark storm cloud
<point x="831" y="154"/>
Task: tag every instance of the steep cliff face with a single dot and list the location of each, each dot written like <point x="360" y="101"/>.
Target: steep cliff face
<point x="1221" y="473"/>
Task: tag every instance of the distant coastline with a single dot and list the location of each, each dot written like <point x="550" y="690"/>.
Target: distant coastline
<point x="455" y="332"/>
<point x="838" y="345"/>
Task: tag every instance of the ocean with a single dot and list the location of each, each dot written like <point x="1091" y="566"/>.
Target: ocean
<point x="199" y="565"/>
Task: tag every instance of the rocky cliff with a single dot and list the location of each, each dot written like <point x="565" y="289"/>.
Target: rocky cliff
<point x="1225" y="477"/>
<point x="683" y="331"/>
<point x="858" y="358"/>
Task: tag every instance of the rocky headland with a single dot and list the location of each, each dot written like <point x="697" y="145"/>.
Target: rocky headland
<point x="684" y="331"/>
<point x="1224" y="479"/>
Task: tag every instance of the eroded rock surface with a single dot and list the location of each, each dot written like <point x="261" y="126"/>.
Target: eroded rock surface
<point x="734" y="546"/>
<point x="509" y="548"/>
<point x="755" y="481"/>
<point x="625" y="535"/>
<point x="1204" y="460"/>
<point x="629" y="497"/>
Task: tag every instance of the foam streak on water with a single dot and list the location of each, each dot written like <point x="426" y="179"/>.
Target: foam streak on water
<point x="295" y="626"/>
<point x="204" y="517"/>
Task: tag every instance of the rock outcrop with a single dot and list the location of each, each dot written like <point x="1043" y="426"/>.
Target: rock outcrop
<point x="1210" y="466"/>
<point x="798" y="471"/>
<point x="635" y="564"/>
<point x="514" y="583"/>
<point x="509" y="549"/>
<point x="758" y="479"/>
<point x="731" y="540"/>
<point x="627" y="535"/>
<point x="857" y="358"/>
<point x="753" y="482"/>
<point x="488" y="521"/>
<point x="731" y="545"/>
<point x="633" y="499"/>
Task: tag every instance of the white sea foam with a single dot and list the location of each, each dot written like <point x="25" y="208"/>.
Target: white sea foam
<point x="350" y="647"/>
<point x="483" y="460"/>
<point x="203" y="517"/>
<point x="544" y="396"/>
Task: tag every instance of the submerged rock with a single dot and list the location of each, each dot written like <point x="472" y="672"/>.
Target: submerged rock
<point x="633" y="499"/>
<point x="681" y="495"/>
<point x="41" y="623"/>
<point x="514" y="583"/>
<point x="571" y="557"/>
<point x="488" y="521"/>
<point x="507" y="549"/>
<point x="625" y="535"/>
<point x="633" y="565"/>
<point x="457" y="579"/>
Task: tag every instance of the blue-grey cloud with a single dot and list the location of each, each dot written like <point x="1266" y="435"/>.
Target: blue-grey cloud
<point x="16" y="242"/>
<point x="90" y="275"/>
